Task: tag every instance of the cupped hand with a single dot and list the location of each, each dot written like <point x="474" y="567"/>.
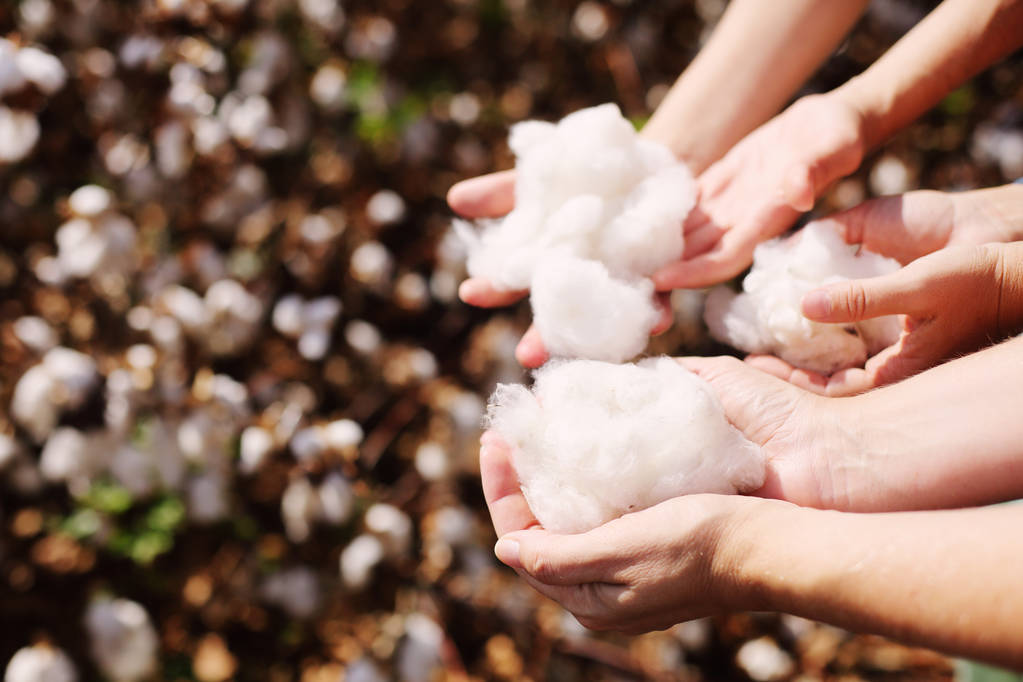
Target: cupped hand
<point x="644" y="571"/>
<point x="762" y="185"/>
<point x="956" y="300"/>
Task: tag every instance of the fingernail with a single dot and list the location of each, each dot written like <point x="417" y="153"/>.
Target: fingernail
<point x="816" y="304"/>
<point x="507" y="552"/>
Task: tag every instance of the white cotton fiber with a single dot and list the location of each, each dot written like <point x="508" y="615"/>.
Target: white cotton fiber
<point x="594" y="441"/>
<point x="580" y="309"/>
<point x="767" y="318"/>
<point x="588" y="189"/>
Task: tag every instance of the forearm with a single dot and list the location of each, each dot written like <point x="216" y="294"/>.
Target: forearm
<point x="757" y="57"/>
<point x="956" y="41"/>
<point x="945" y="580"/>
<point x="950" y="436"/>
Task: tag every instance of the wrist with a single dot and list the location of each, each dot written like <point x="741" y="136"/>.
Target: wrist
<point x="858" y="98"/>
<point x="745" y="560"/>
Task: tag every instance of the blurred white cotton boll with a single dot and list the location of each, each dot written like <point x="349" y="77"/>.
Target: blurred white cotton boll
<point x="342" y="434"/>
<point x="207" y="498"/>
<point x="336" y="499"/>
<point x="35" y="333"/>
<point x="595" y="440"/>
<point x="359" y="559"/>
<point x="11" y="77"/>
<point x="89" y="201"/>
<point x="580" y="310"/>
<point x="40" y="663"/>
<point x="122" y="639"/>
<point x="19" y="132"/>
<point x="255" y="446"/>
<point x="392" y="526"/>
<point x="593" y="196"/>
<point x="418" y="654"/>
<point x="42" y="69"/>
<point x="385" y="207"/>
<point x="300" y="507"/>
<point x="767" y="317"/>
<point x="64" y="379"/>
<point x="294" y="590"/>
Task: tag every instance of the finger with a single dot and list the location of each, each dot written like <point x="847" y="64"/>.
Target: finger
<point x="798" y="189"/>
<point x="883" y="226"/>
<point x="702" y="240"/>
<point x="771" y="364"/>
<point x="531" y="352"/>
<point x="861" y="299"/>
<point x="728" y="258"/>
<point x="487" y="196"/>
<point x="850" y="382"/>
<point x="663" y="303"/>
<point x="554" y="559"/>
<point x="505" y="501"/>
<point x="479" y="292"/>
<point x="921" y="348"/>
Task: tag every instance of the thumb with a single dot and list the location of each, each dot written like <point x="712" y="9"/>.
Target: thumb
<point x="553" y="559"/>
<point x="859" y="299"/>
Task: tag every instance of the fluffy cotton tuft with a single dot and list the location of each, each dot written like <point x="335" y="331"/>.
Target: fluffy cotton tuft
<point x="123" y="641"/>
<point x="588" y="189"/>
<point x="580" y="309"/>
<point x="766" y="317"/>
<point x="594" y="441"/>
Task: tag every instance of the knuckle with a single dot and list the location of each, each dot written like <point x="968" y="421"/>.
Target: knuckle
<point x="544" y="570"/>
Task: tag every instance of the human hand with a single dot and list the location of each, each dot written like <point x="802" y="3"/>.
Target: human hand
<point x="490" y="196"/>
<point x="956" y="300"/>
<point x="908" y="226"/>
<point x="643" y="571"/>
<point x="762" y="185"/>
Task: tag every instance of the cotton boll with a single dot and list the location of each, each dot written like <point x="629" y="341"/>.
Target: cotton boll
<point x="342" y="434"/>
<point x="42" y="69"/>
<point x="766" y="317"/>
<point x="581" y="311"/>
<point x="19" y="132"/>
<point x="35" y="333"/>
<point x="11" y="77"/>
<point x="40" y="663"/>
<point x="418" y="654"/>
<point x="392" y="526"/>
<point x="123" y="641"/>
<point x="594" y="440"/>
<point x="359" y="559"/>
<point x="336" y="499"/>
<point x="64" y="379"/>
<point x="299" y="509"/>
<point x="256" y="444"/>
<point x="89" y="201"/>
<point x="294" y="590"/>
<point x="207" y="498"/>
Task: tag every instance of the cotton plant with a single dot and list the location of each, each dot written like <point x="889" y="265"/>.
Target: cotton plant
<point x="597" y="210"/>
<point x="766" y="317"/>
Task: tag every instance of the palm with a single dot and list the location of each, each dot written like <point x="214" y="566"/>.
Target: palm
<point x="801" y="441"/>
<point x="759" y="188"/>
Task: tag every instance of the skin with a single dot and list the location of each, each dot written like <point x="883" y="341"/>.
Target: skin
<point x="821" y="138"/>
<point x="744" y="89"/>
<point x="955" y="300"/>
<point x="942" y="579"/>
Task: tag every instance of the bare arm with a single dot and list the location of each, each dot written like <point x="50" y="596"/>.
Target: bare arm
<point x="955" y="42"/>
<point x="757" y="57"/>
<point x="944" y="579"/>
